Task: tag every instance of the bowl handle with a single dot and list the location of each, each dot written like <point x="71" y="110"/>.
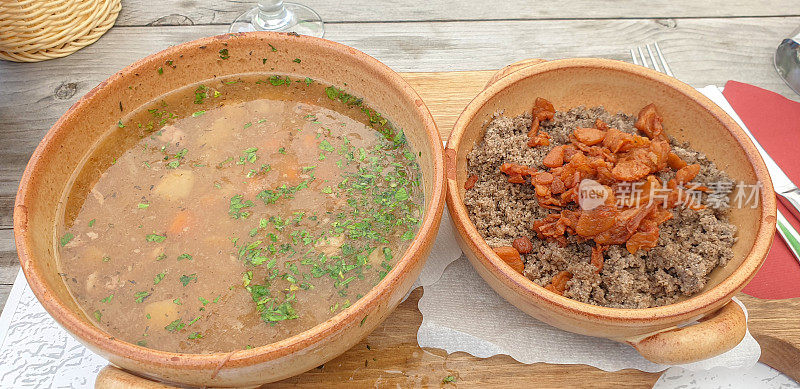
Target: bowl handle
<point x="508" y="69"/>
<point x="714" y="334"/>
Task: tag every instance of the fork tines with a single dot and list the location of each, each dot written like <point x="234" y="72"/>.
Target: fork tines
<point x="655" y="59"/>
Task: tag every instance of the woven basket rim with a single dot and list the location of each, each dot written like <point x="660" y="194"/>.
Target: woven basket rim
<point x="37" y="30"/>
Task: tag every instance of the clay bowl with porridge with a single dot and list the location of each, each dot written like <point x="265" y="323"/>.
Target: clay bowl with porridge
<point x="610" y="200"/>
<point x="231" y="211"/>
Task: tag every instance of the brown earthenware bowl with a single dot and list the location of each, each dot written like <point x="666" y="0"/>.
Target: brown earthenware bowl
<point x="63" y="148"/>
<point x="657" y="333"/>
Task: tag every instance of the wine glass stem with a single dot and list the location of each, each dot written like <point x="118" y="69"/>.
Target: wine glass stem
<point x="272" y="15"/>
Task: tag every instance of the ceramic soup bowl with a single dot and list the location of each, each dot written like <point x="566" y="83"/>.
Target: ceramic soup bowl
<point x="664" y="334"/>
<point x="71" y="139"/>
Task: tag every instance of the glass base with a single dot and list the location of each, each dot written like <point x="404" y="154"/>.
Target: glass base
<point x="298" y="18"/>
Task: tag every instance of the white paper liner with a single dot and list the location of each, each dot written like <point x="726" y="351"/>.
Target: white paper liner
<point x="461" y="312"/>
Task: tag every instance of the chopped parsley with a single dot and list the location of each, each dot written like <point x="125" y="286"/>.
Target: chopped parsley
<point x="159" y="277"/>
<point x="237" y="207"/>
<point x="325" y="145"/>
<point x="107" y="299"/>
<point x="140" y="296"/>
<point x="224" y="54"/>
<point x="249" y="156"/>
<point x="185" y="280"/>
<point x="91" y="222"/>
<point x="200" y="94"/>
<point x="185" y="256"/>
<point x="66" y="238"/>
<point x="155" y="238"/>
<point x="176" y="325"/>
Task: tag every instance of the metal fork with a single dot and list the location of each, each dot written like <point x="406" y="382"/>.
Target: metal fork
<point x="785" y="229"/>
<point x="642" y="60"/>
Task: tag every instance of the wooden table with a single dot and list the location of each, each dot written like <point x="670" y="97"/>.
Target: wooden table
<point x="706" y="42"/>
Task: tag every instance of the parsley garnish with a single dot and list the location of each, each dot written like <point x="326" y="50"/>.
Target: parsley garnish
<point x="107" y="299"/>
<point x="200" y="94"/>
<point x="155" y="238"/>
<point x="236" y="207"/>
<point x="224" y="54"/>
<point x="176" y="325"/>
<point x="325" y="145"/>
<point x="140" y="296"/>
<point x="185" y="280"/>
<point x="159" y="277"/>
<point x="66" y="238"/>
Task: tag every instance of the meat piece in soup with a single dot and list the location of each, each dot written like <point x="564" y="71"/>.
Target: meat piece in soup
<point x="236" y="213"/>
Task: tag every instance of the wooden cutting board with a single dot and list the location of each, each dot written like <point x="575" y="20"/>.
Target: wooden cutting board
<point x="391" y="357"/>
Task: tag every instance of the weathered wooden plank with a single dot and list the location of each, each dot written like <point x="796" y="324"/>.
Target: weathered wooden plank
<point x="9" y="264"/>
<point x="4" y="291"/>
<point x="701" y="51"/>
<point x="139" y="13"/>
<point x="6" y="211"/>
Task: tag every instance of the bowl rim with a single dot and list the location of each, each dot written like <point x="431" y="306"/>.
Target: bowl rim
<point x="379" y="294"/>
<point x="692" y="307"/>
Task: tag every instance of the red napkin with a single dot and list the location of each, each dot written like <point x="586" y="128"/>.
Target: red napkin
<point x="775" y="121"/>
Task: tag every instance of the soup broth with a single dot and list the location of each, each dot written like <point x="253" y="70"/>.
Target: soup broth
<point x="237" y="212"/>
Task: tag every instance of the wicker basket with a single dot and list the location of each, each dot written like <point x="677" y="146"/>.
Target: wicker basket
<point x="37" y="30"/>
